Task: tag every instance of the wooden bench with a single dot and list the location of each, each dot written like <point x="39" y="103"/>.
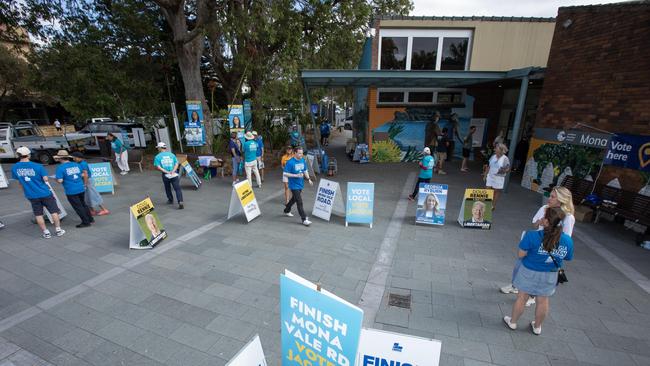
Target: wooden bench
<point x="630" y="205"/>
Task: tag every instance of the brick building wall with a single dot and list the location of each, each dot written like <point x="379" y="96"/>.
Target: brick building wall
<point x="599" y="74"/>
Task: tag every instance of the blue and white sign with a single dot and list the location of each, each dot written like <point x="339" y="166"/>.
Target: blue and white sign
<point x="314" y="109"/>
<point x="432" y="204"/>
<point x="629" y="151"/>
<point x="360" y="202"/>
<point x="248" y="114"/>
<point x="379" y="347"/>
<point x="102" y="177"/>
<point x="318" y="328"/>
<point x="194" y="130"/>
<point x="251" y="354"/>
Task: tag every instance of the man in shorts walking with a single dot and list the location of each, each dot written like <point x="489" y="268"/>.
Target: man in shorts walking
<point x="296" y="171"/>
<point x="33" y="179"/>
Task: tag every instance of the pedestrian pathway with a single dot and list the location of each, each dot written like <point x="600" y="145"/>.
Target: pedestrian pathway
<point x="85" y="299"/>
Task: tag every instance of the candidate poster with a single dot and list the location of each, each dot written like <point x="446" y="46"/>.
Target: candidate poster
<point x="4" y="183"/>
<point x="328" y="200"/>
<point x="360" y="202"/>
<point x="243" y="198"/>
<point x="251" y="354"/>
<point x="629" y="151"/>
<point x="236" y="119"/>
<point x="318" y="328"/>
<point x="432" y="204"/>
<point x="248" y="114"/>
<point x="191" y="174"/>
<point x="476" y="209"/>
<point x="102" y="177"/>
<point x="146" y="228"/>
<point x="194" y="128"/>
<point x="380" y="347"/>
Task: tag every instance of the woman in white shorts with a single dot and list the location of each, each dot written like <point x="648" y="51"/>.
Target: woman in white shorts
<point x="288" y="154"/>
<point x="494" y="174"/>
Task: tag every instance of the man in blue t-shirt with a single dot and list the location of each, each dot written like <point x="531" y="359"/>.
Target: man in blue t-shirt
<point x="260" y="153"/>
<point x="167" y="163"/>
<point x="325" y="132"/>
<point x="250" y="159"/>
<point x="295" y="137"/>
<point x="427" y="163"/>
<point x="296" y="172"/>
<point x="33" y="179"/>
<point x="70" y="174"/>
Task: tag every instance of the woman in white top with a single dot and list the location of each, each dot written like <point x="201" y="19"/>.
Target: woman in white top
<point x="562" y="198"/>
<point x="494" y="174"/>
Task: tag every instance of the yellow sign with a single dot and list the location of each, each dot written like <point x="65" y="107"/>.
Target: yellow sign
<point x="479" y="194"/>
<point x="141" y="208"/>
<point x="245" y="193"/>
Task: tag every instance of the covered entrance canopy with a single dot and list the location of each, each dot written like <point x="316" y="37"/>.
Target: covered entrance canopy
<point x="422" y="79"/>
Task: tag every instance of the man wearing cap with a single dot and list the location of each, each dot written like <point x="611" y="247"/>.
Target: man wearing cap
<point x="260" y="153"/>
<point x="426" y="171"/>
<point x="33" y="179"/>
<point x="167" y="163"/>
<point x="296" y="172"/>
<point x="250" y="158"/>
<point x="70" y="175"/>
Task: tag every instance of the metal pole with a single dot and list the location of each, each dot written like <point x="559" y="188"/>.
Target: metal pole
<point x="311" y="115"/>
<point x="521" y="104"/>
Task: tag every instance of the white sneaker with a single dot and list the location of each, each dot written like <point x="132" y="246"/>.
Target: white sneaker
<point x="288" y="214"/>
<point x="509" y="324"/>
<point x="536" y="331"/>
<point x="510" y="289"/>
<point x="306" y="222"/>
<point x="59" y="231"/>
<point x="47" y="234"/>
<point x="124" y="173"/>
<point x="530" y="301"/>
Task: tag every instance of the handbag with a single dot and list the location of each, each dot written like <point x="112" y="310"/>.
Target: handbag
<point x="561" y="275"/>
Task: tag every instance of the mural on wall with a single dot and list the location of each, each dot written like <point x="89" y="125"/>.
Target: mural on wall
<point x="403" y="138"/>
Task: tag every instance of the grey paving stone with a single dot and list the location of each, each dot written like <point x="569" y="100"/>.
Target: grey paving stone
<point x="66" y="359"/>
<point x="78" y="342"/>
<point x="627" y="330"/>
<point x="526" y="341"/>
<point x="620" y="343"/>
<point x="111" y="354"/>
<point x="448" y="328"/>
<point x="188" y="356"/>
<point x="464" y="348"/>
<point x="226" y="347"/>
<point x="121" y="333"/>
<point x="232" y="328"/>
<point x="259" y="301"/>
<point x="154" y="346"/>
<point x="509" y="356"/>
<point x="600" y="356"/>
<point x="24" y="358"/>
<point x="7" y="348"/>
<point x="393" y="316"/>
<point x="225" y="291"/>
<point x="195" y="337"/>
<point x="31" y="343"/>
<point x="81" y="316"/>
<point x="123" y="291"/>
<point x="486" y="335"/>
<point x="158" y="323"/>
<point x="46" y="327"/>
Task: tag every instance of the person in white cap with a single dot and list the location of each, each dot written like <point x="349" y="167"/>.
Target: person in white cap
<point x="167" y="163"/>
<point x="426" y="171"/>
<point x="70" y="174"/>
<point x="33" y="179"/>
<point x="250" y="158"/>
<point x="260" y="153"/>
<point x="121" y="153"/>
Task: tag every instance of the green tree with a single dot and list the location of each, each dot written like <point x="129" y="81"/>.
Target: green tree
<point x="13" y="77"/>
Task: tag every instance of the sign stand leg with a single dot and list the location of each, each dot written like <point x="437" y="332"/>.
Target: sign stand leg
<point x="346" y="224"/>
<point x="371" y="226"/>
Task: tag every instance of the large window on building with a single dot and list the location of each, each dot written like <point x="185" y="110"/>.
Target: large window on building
<point x="424" y="53"/>
<point x="454" y="53"/>
<point x="390" y="97"/>
<point x="393" y="53"/>
<point x="420" y="96"/>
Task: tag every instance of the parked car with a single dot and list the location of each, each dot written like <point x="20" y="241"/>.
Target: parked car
<point x="43" y="148"/>
<point x="97" y="132"/>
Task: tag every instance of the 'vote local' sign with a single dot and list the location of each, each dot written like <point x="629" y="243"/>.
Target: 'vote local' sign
<point x="629" y="151"/>
<point x="360" y="202"/>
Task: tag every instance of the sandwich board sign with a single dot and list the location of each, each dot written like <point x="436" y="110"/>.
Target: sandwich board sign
<point x="380" y="347"/>
<point x="360" y="202"/>
<point x="243" y="198"/>
<point x="251" y="354"/>
<point x="318" y="327"/>
<point x="476" y="209"/>
<point x="102" y="175"/>
<point x="63" y="212"/>
<point x="194" y="178"/>
<point x="4" y="183"/>
<point x="146" y="229"/>
<point x="328" y="200"/>
<point x="431" y="204"/>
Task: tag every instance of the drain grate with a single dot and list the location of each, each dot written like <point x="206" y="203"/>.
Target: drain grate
<point x="401" y="301"/>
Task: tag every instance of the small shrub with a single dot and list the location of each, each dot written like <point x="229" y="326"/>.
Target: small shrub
<point x="386" y="152"/>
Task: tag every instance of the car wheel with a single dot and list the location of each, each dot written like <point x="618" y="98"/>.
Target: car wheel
<point x="44" y="158"/>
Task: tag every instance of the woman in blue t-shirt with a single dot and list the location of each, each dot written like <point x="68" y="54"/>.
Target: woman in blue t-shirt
<point x="541" y="253"/>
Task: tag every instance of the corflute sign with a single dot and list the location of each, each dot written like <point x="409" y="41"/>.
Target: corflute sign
<point x="382" y="348"/>
<point x="629" y="151"/>
<point x="573" y="137"/>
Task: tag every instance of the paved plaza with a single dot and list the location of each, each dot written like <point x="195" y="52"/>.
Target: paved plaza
<point x="197" y="298"/>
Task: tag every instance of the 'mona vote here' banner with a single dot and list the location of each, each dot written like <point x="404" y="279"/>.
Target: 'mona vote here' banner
<point x="628" y="151"/>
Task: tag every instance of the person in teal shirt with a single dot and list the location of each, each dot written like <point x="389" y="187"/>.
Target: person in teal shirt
<point x="121" y="153"/>
<point x="250" y="159"/>
<point x="167" y="163"/>
<point x="426" y="171"/>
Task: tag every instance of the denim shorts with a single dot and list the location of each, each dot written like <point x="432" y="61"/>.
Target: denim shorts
<point x="535" y="283"/>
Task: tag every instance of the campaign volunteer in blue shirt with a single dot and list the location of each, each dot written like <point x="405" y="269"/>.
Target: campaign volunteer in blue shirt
<point x="260" y="153"/>
<point x="325" y="132"/>
<point x="542" y="254"/>
<point x="33" y="179"/>
<point x="121" y="153"/>
<point x="167" y="163"/>
<point x="93" y="198"/>
<point x="250" y="159"/>
<point x="70" y="174"/>
<point x="427" y="163"/>
<point x="296" y="171"/>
